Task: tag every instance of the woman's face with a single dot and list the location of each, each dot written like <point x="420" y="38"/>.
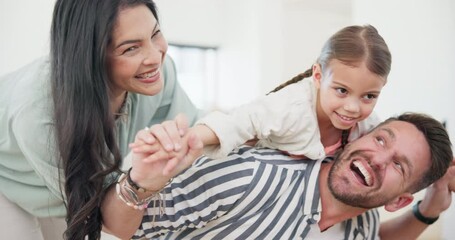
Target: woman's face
<point x="136" y="53"/>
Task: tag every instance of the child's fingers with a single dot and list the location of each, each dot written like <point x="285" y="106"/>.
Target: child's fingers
<point x="182" y="123"/>
<point x="159" y="155"/>
<point x="173" y="132"/>
<point x="145" y="135"/>
<point x="145" y="148"/>
<point x="161" y="133"/>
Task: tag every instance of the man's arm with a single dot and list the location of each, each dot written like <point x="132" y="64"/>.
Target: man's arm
<point x="437" y="199"/>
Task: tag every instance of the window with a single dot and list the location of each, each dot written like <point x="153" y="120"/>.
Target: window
<point x="197" y="72"/>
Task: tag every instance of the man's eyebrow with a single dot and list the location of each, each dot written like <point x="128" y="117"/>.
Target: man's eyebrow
<point x="389" y="132"/>
<point x="135" y="40"/>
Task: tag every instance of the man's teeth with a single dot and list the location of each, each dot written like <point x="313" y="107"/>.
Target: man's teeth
<point x="364" y="172"/>
<point x="148" y="75"/>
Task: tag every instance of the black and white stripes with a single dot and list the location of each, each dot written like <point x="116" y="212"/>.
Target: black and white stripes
<point x="251" y="194"/>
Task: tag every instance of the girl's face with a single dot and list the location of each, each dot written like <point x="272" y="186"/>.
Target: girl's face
<point x="346" y="94"/>
<point x="136" y="53"/>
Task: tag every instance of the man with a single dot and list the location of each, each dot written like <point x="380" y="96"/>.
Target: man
<point x="262" y="194"/>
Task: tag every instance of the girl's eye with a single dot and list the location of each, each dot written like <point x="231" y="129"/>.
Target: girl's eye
<point x="341" y="91"/>
<point x="370" y="96"/>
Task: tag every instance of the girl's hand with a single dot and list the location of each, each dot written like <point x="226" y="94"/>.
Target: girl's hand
<point x="169" y="133"/>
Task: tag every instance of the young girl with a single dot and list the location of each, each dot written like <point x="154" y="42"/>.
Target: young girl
<point x="307" y="117"/>
<point x="311" y="116"/>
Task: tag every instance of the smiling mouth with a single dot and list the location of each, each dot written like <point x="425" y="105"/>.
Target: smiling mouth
<point x="147" y="75"/>
<point x="361" y="173"/>
<point x="345" y="118"/>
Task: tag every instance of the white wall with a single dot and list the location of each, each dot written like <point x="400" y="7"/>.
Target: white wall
<point x="261" y="42"/>
<point x="421" y="37"/>
<point x="24" y="31"/>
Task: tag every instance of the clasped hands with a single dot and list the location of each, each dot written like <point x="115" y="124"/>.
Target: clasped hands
<point x="162" y="151"/>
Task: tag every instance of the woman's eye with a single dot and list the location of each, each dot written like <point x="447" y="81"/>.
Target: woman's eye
<point x="130" y="49"/>
<point x="380" y="141"/>
<point x="156" y="33"/>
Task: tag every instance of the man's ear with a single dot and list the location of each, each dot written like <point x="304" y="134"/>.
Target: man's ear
<point x="399" y="202"/>
<point x="317" y="75"/>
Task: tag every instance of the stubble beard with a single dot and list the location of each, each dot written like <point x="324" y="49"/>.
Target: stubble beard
<point x="340" y="187"/>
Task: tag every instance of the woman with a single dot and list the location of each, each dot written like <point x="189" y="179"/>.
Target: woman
<point x="68" y="119"/>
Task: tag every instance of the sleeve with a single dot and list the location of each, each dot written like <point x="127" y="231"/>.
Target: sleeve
<point x="204" y="192"/>
<point x="175" y="100"/>
<point x="34" y="134"/>
<point x="283" y="120"/>
<point x="29" y="135"/>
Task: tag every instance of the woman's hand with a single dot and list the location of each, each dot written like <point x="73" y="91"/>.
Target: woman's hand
<point x="153" y="165"/>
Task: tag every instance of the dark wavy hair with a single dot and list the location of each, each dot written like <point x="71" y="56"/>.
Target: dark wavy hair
<point x="84" y="122"/>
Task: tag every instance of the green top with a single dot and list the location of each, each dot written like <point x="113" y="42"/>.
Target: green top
<point x="28" y="167"/>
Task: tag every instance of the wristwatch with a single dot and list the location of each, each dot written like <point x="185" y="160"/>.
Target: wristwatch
<point x="420" y="217"/>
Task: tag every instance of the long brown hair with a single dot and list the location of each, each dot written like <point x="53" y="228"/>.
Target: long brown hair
<point x="352" y="45"/>
<point x="84" y="124"/>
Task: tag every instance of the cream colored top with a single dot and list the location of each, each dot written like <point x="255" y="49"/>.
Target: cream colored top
<point x="284" y="120"/>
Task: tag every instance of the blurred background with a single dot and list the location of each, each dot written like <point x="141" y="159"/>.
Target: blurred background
<point x="229" y="52"/>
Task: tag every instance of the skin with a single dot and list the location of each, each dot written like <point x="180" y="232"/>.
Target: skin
<point x="135" y="55"/>
<point x="392" y="157"/>
<point x="395" y="155"/>
<point x="346" y="95"/>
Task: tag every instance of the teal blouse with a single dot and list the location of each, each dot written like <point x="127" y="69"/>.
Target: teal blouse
<point x="29" y="173"/>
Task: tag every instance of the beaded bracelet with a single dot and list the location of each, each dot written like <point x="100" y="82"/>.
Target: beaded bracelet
<point x="131" y="198"/>
<point x="133" y="184"/>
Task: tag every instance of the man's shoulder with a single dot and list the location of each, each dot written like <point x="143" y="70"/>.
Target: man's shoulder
<point x="271" y="157"/>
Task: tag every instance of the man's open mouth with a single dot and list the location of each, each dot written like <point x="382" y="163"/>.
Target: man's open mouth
<point x="361" y="173"/>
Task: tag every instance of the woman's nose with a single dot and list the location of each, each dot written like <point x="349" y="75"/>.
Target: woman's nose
<point x="152" y="55"/>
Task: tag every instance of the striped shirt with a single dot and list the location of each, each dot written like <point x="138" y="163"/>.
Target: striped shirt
<point x="251" y="194"/>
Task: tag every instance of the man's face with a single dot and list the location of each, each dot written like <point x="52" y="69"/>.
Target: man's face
<point x="381" y="166"/>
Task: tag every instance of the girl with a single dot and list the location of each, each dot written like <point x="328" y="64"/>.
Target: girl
<point x="314" y="113"/>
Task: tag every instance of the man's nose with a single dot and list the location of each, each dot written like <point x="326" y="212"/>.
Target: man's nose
<point x="382" y="159"/>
